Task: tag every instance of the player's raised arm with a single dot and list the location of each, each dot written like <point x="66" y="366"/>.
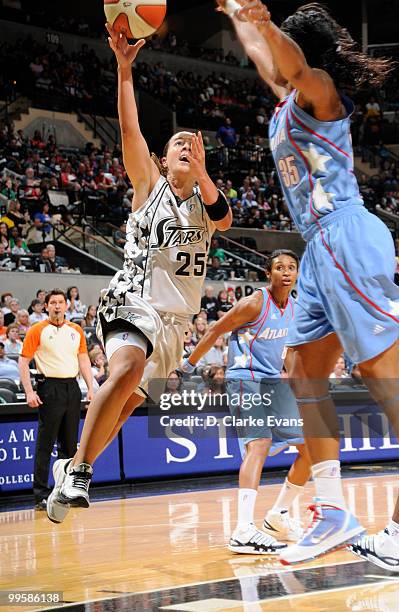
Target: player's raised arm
<point x="246" y="310"/>
<point x="316" y="87"/>
<point x="256" y="48"/>
<point x="215" y="201"/>
<point x="136" y="156"/>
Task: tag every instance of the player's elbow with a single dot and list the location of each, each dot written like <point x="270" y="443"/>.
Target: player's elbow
<point x="224" y="224"/>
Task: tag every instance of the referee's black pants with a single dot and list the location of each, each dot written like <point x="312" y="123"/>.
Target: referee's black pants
<point x="59" y="417"/>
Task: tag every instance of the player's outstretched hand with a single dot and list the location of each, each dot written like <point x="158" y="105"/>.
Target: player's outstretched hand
<point x="196" y="156"/>
<point x="229" y="7"/>
<point x="125" y="53"/>
<point x="253" y="11"/>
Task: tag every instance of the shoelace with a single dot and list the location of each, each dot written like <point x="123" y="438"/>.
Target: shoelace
<point x="81" y="480"/>
<point x="290" y="523"/>
<point x="261" y="538"/>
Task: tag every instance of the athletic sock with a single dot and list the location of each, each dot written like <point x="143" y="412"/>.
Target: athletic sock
<point x="288" y="494"/>
<point x="246" y="507"/>
<point x="327" y="478"/>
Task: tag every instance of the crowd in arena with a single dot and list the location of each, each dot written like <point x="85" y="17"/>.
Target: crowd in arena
<point x="16" y="319"/>
<point x="33" y="168"/>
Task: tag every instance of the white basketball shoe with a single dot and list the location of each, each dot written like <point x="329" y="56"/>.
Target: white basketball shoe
<point x="281" y="526"/>
<point x="251" y="541"/>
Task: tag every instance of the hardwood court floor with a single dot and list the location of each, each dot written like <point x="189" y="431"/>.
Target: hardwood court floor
<point x="169" y="550"/>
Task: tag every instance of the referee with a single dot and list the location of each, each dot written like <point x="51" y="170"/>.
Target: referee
<point x="59" y="349"/>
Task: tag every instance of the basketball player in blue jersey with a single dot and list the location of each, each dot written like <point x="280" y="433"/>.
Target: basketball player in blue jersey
<point x="145" y="310"/>
<point x="259" y="325"/>
<point x="347" y="299"/>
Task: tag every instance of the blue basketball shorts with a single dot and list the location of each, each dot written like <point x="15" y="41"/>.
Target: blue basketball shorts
<point x="265" y="409"/>
<point x="346" y="285"/>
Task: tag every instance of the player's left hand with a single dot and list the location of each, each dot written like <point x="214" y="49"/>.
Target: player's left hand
<point x="254" y="12"/>
<point x="196" y="156"/>
<point x="229" y="7"/>
<point x="90" y="395"/>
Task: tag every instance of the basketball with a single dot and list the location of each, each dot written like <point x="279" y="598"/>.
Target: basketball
<point x="135" y="18"/>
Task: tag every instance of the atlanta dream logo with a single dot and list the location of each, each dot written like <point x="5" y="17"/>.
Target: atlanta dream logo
<point x="169" y="234"/>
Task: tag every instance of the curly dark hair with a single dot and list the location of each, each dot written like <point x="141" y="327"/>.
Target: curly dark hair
<point x="330" y="47"/>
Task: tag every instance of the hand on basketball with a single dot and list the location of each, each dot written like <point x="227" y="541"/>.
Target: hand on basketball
<point x="254" y="12"/>
<point x="196" y="156"/>
<point x="229" y="7"/>
<point x="125" y="53"/>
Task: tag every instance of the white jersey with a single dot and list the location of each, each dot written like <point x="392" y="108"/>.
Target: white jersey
<point x="166" y="253"/>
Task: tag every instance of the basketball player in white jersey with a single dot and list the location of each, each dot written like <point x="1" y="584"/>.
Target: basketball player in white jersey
<point x="144" y="313"/>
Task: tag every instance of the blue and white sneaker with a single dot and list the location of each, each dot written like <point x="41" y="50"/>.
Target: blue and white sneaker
<point x="380" y="549"/>
<point x="330" y="528"/>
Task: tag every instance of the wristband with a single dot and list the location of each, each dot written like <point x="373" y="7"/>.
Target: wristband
<point x="187" y="367"/>
<point x="219" y="209"/>
<point x="231" y="7"/>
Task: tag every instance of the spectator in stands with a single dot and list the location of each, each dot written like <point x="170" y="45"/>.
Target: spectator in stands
<point x="209" y="304"/>
<point x="75" y="309"/>
<point x="13" y="344"/>
<point x="13" y="305"/>
<point x="215" y="356"/>
<point x="5" y="259"/>
<point x="174" y="382"/>
<point x="56" y="261"/>
<point x="14" y="235"/>
<point x="8" y="367"/>
<point x="99" y="366"/>
<point x="4" y="239"/>
<point x="15" y="216"/>
<point x="231" y="296"/>
<point x="120" y="236"/>
<point x="7" y="189"/>
<point x="90" y="319"/>
<point x="340" y="370"/>
<point x="5" y="300"/>
<point x="214" y="272"/>
<point x="20" y="247"/>
<point x="36" y="234"/>
<point x="30" y="186"/>
<point x="215" y="381"/>
<point x="189" y="343"/>
<point x="373" y="109"/>
<point x="200" y="327"/>
<point x="37" y="312"/>
<point x="44" y="264"/>
<point x="224" y="304"/>
<point x="226" y="134"/>
<point x="3" y="328"/>
<point x="23" y="322"/>
<point x="44" y="218"/>
<point x="216" y="251"/>
<point x="229" y="191"/>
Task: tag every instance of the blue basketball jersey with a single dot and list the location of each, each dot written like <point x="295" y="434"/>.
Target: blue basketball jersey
<point x="256" y="350"/>
<point x="314" y="161"/>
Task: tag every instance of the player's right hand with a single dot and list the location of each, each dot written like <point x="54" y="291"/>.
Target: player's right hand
<point x="125" y="53"/>
<point x="33" y="400"/>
